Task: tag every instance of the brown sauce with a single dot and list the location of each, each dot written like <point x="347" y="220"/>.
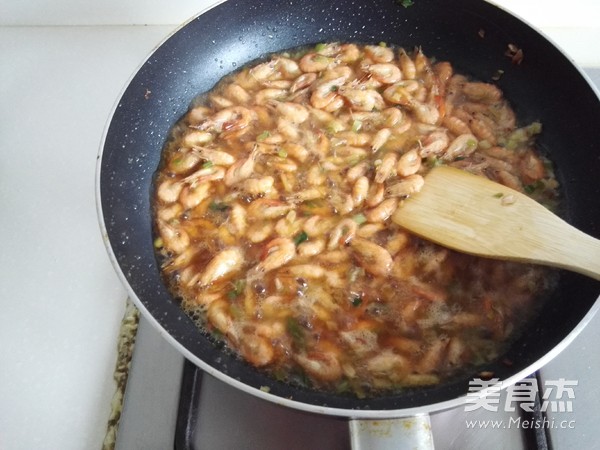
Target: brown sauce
<point x="273" y="204"/>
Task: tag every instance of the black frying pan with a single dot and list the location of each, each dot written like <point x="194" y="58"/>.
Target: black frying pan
<point x="471" y="34"/>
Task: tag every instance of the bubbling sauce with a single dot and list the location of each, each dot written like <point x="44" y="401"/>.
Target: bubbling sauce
<point x="272" y="209"/>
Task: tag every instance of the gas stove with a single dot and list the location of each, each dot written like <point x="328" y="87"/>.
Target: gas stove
<point x="170" y="403"/>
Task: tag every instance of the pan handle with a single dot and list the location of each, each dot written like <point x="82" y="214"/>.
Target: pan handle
<point x="391" y="434"/>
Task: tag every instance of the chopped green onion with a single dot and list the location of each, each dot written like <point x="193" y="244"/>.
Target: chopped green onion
<point x="356" y="300"/>
<point x="158" y="243"/>
<point x="342" y="386"/>
<point x="498" y="195"/>
<point x="534" y="128"/>
<point x="335" y="126"/>
<point x="207" y="165"/>
<point x="531" y="188"/>
<point x="218" y="206"/>
<point x="471" y="144"/>
<point x="262" y="136"/>
<point x="356" y="126"/>
<point x="238" y="287"/>
<point x="383" y="44"/>
<point x="406" y="3"/>
<point x="334" y="88"/>
<point x="282" y="153"/>
<point x="300" y="238"/>
<point x="320" y="47"/>
<point x="359" y="218"/>
<point x="498" y="74"/>
<point x="236" y="311"/>
<point x="360" y="393"/>
<point x="434" y="161"/>
<point x="353" y="161"/>
<point x="295" y="331"/>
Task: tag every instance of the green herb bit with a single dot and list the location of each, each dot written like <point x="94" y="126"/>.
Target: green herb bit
<point x="471" y="144"/>
<point x="406" y="3"/>
<point x="537" y="186"/>
<point x="498" y="75"/>
<point x="334" y="88"/>
<point x="383" y="44"/>
<point x="218" y="336"/>
<point x="534" y="128"/>
<point x="300" y="238"/>
<point x="237" y="289"/>
<point x="342" y="386"/>
<point x="356" y="301"/>
<point x="498" y="195"/>
<point x="282" y="153"/>
<point x="207" y="165"/>
<point x="280" y="374"/>
<point x="359" y="218"/>
<point x="356" y="126"/>
<point x="295" y="331"/>
<point x="434" y="161"/>
<point x="333" y="127"/>
<point x="236" y="311"/>
<point x="218" y="206"/>
<point x="360" y="393"/>
<point x="320" y="47"/>
<point x="354" y="161"/>
<point x="158" y="243"/>
<point x="262" y="136"/>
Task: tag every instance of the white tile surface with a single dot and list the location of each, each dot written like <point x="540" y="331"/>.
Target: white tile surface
<point x="542" y="13"/>
<point x="60" y="299"/>
<point x="555" y="13"/>
<point x="101" y="12"/>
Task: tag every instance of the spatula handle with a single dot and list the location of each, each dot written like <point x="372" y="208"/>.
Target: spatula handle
<point x="467" y="213"/>
<point x="579" y="253"/>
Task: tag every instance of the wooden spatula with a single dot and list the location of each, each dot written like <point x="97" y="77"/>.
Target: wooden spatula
<point x="475" y="215"/>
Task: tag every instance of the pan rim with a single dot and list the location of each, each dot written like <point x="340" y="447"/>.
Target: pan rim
<point x="298" y="405"/>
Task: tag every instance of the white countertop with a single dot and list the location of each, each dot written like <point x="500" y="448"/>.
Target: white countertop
<point x="64" y="63"/>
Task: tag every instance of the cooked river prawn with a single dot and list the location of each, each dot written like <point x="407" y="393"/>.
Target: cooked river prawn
<point x="273" y="205"/>
<point x="222" y="264"/>
<point x="229" y="119"/>
<point x="278" y="252"/>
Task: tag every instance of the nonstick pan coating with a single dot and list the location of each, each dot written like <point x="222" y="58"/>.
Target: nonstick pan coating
<point x="472" y="35"/>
